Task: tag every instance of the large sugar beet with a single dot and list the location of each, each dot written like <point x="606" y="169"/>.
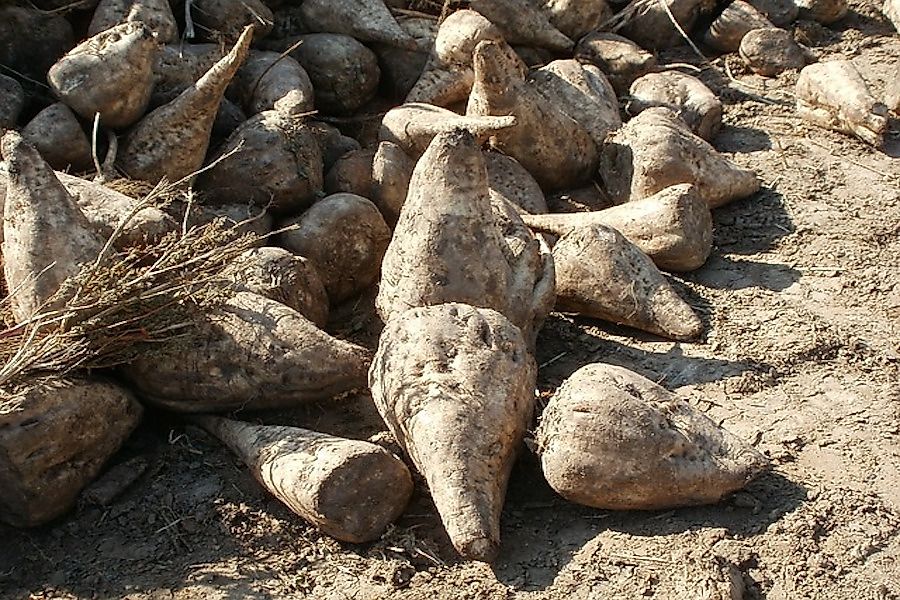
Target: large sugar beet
<point x="450" y="246"/>
<point x="583" y="93"/>
<point x="365" y="20"/>
<point x="612" y="439"/>
<point x="522" y="23"/>
<point x="673" y="227"/>
<point x="729" y="28"/>
<point x="656" y="150"/>
<point x="106" y="209"/>
<point x="110" y="73"/>
<point x="32" y="40"/>
<point x="171" y="141"/>
<point x="46" y="237"/>
<point x="771" y="51"/>
<point x="834" y="95"/>
<point x="350" y="489"/>
<point x="252" y="353"/>
<point x="155" y="14"/>
<point x="57" y="135"/>
<point x="619" y="58"/>
<point x="601" y="274"/>
<point x="272" y="158"/>
<point x="55" y="436"/>
<point x="557" y="150"/>
<point x="345" y="237"/>
<point x="455" y="385"/>
<point x="448" y="76"/>
<point x="684" y="95"/>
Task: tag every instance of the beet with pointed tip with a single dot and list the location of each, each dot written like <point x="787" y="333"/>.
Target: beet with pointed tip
<point x="655" y="150"/>
<point x="171" y="141"/>
<point x="673" y="226"/>
<point x="455" y="385"/>
<point x="601" y="274"/>
<point x="612" y="439"/>
<point x="835" y="96"/>
<point x="46" y="237"/>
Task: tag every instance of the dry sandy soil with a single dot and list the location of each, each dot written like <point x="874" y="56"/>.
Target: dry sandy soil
<point x="801" y="299"/>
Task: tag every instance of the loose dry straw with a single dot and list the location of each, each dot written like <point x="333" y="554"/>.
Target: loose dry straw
<point x="121" y="302"/>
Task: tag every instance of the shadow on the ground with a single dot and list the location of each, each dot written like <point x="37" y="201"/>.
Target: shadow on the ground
<point x="752" y="225"/>
<point x="722" y="272"/>
<point x="530" y="560"/>
<point x="566" y="344"/>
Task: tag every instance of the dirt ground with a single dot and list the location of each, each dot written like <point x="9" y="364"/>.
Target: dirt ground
<point x="801" y="299"/>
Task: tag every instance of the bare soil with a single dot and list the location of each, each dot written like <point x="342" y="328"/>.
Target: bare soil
<point x="801" y="299"/>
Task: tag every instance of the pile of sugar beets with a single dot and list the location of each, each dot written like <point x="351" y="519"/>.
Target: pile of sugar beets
<point x="457" y="125"/>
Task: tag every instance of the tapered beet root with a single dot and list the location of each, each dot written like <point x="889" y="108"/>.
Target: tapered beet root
<point x="769" y="52"/>
<point x="673" y="227"/>
<point x="601" y="274"/>
<point x="273" y="158"/>
<point x="612" y="439"/>
<point x="106" y="209"/>
<point x="12" y="100"/>
<point x="522" y="23"/>
<point x="413" y="126"/>
<point x="448" y="76"/>
<point x="55" y="436"/>
<point x="835" y="96"/>
<point x="684" y="95"/>
<point x="57" y="135"/>
<point x="110" y="73"/>
<point x="500" y="89"/>
<point x="619" y="58"/>
<point x="155" y="14"/>
<point x="455" y="385"/>
<point x="252" y="353"/>
<point x="284" y="277"/>
<point x="46" y="237"/>
<point x="656" y="150"/>
<point x="365" y="20"/>
<point x="171" y="142"/>
<point x="344" y="237"/>
<point x="450" y="245"/>
<point x="350" y="489"/>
